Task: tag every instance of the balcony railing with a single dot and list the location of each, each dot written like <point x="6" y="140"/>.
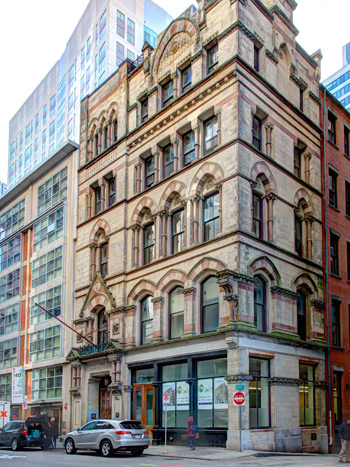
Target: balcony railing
<point x="91" y="349"/>
<point x="137" y="62"/>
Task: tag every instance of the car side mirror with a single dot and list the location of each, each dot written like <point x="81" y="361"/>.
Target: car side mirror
<point x="78" y="430"/>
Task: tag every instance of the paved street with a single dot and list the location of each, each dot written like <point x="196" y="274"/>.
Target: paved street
<point x="60" y="458"/>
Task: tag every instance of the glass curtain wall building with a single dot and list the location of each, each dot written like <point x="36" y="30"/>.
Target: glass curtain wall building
<point x="339" y="82"/>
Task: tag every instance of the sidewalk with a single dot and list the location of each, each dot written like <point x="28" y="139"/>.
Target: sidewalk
<point x="219" y="454"/>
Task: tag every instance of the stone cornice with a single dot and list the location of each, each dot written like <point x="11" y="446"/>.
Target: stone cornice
<point x="284" y="292"/>
<point x="314" y="97"/>
<point x="236" y="378"/>
<point x="271" y="56"/>
<point x="318" y="303"/>
<point x="276" y="381"/>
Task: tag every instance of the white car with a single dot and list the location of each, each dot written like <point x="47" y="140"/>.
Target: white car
<point x="108" y="437"/>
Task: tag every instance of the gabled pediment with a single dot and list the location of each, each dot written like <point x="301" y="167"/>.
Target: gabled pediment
<point x="73" y="355"/>
<point x="98" y="294"/>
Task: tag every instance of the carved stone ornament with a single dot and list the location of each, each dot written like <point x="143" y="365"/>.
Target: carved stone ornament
<point x="210" y="185"/>
<point x="321" y="385"/>
<point x="189" y="291"/>
<point x="116" y="388"/>
<point x="284" y="381"/>
<point x="97" y="287"/>
<point x="284" y="292"/>
<point x="235" y="378"/>
<point x="75" y="392"/>
<point x="115" y="328"/>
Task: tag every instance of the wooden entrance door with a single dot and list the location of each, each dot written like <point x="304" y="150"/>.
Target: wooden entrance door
<point x="144" y="405"/>
<point x="105" y="404"/>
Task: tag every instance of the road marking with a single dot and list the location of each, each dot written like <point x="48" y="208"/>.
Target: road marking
<point x="10" y="457"/>
<point x="150" y="465"/>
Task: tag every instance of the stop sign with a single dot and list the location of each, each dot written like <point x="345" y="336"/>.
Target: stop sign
<point x="238" y="398"/>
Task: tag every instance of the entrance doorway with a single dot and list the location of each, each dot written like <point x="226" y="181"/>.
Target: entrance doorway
<point x="144" y="405"/>
<point x="105" y="398"/>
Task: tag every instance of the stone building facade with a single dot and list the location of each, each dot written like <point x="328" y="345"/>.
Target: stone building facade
<point x="199" y="237"/>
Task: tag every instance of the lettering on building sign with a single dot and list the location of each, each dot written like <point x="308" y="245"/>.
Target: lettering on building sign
<point x="3" y="414"/>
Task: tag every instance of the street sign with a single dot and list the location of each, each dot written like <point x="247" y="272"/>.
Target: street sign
<point x="25" y="403"/>
<point x="240" y="387"/>
<point x="239" y="398"/>
<point x="17" y="385"/>
<point x="166" y="398"/>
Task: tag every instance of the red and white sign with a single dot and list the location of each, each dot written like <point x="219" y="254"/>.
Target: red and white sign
<point x="239" y="398"/>
<point x="166" y="398"/>
<point x="25" y="403"/>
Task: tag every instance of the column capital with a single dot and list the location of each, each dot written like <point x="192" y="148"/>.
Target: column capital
<point x="271" y="196"/>
<point x="189" y="291"/>
<point x="163" y="213"/>
<point x="309" y="219"/>
<point x="269" y="126"/>
<point x="136" y="228"/>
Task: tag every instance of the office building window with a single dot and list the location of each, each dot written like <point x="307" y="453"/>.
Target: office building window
<point x="168" y="160"/>
<point x="48" y="229"/>
<point x="12" y="150"/>
<point x="256" y="58"/>
<point x="144" y="110"/>
<point x="88" y="76"/>
<point x="130" y="55"/>
<point x="334" y="241"/>
<point x="103" y="24"/>
<point x="210" y="134"/>
<point x="178" y="230"/>
<point x="301" y="99"/>
<point x="148" y="243"/>
<point x="88" y="49"/>
<point x="27" y="157"/>
<point x="36" y="148"/>
<point x="120" y="24"/>
<point x="167" y="92"/>
<point x="297" y="161"/>
<point x="43" y="140"/>
<point x="131" y="32"/>
<point x="186" y="78"/>
<point x="188" y="143"/>
<point x="102" y="58"/>
<point x="176" y="313"/>
<point x="28" y="133"/>
<point x="209" y="304"/>
<point x="301" y="315"/>
<point x="298" y="237"/>
<point x="256" y="133"/>
<point x="104" y="259"/>
<point x="20" y="165"/>
<point x="259" y="393"/>
<point x="47" y="383"/>
<point x="21" y="141"/>
<point x="50" y="300"/>
<point x="12" y="220"/>
<point x="44" y="114"/>
<point x="332" y="125"/>
<point x="211" y="216"/>
<point x="53" y="190"/>
<point x="307" y="395"/>
<point x="10" y="285"/>
<point x="52" y="130"/>
<point x="333" y="198"/>
<point x="9" y="319"/>
<point x="71" y="78"/>
<point x="213" y="58"/>
<point x="336" y="336"/>
<point x="150" y="171"/>
<point x="36" y="124"/>
<point x="337" y="397"/>
<point x="82" y="86"/>
<point x="82" y="58"/>
<point x="52" y="106"/>
<point x="47" y="267"/>
<point x="10" y="253"/>
<point x="45" y="344"/>
<point x="8" y="353"/>
<point x="260" y="320"/>
<point x="346" y="141"/>
<point x="120" y="53"/>
<point x="146" y="320"/>
<point x="5" y="388"/>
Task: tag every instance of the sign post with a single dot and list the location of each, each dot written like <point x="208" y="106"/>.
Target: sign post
<point x="166" y="401"/>
<point x="239" y="400"/>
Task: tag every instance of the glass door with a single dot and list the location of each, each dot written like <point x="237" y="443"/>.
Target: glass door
<point x="144" y="406"/>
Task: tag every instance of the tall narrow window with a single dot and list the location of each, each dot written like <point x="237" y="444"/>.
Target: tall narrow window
<point x="259" y="393"/>
<point x="346" y="141"/>
<point x="115" y="130"/>
<point x="176" y="312"/>
<point x="120" y="24"/>
<point x="297" y="162"/>
<point x="102" y="324"/>
<point x="301" y="99"/>
<point x="148" y="243"/>
<point x="211" y="216"/>
<point x="104" y="259"/>
<point x="337" y="399"/>
<point x="98" y="204"/>
<point x="333" y="198"/>
<point x="256" y="133"/>
<point x="332" y="120"/>
<point x="188" y="147"/>
<point x="210" y="134"/>
<point x="96" y="144"/>
<point x="144" y="110"/>
<point x="298" y="235"/>
<point x="210" y="304"/>
<point x="307" y="395"/>
<point x="168" y="160"/>
<point x="213" y="58"/>
<point x="347" y="197"/>
<point x="178" y="230"/>
<point x="120" y="53"/>
<point x="260" y="304"/>
<point x="131" y="32"/>
<point x="348" y="258"/>
<point x="150" y="171"/>
<point x="105" y="138"/>
<point x="258" y="215"/>
<point x="256" y="58"/>
<point x="336" y="323"/>
<point x="167" y="92"/>
<point x="186" y="78"/>
<point x="301" y="315"/>
<point x="146" y="320"/>
<point x="334" y="241"/>
<point x="111" y="191"/>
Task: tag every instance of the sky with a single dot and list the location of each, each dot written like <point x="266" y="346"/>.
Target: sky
<point x="34" y="33"/>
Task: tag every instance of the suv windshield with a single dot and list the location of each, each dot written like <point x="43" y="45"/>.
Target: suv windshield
<point x="131" y="425"/>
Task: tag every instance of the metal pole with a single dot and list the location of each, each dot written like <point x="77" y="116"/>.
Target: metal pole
<point x="240" y="428"/>
<point x="166" y="424"/>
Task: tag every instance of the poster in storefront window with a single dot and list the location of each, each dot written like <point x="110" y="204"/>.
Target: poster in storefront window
<point x="205" y="394"/>
<point x="169" y="388"/>
<point x="17" y="385"/>
<point x="220" y="393"/>
<point x="183" y="395"/>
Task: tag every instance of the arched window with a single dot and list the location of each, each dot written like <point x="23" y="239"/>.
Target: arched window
<point x="102" y="326"/>
<point x="260" y="304"/>
<point x="176" y="313"/>
<point x="211" y="216"/>
<point x="301" y="315"/>
<point x="148" y="243"/>
<point x="258" y="226"/>
<point x="146" y="320"/>
<point x="96" y="144"/>
<point x="210" y="304"/>
<point x="298" y="235"/>
<point x="177" y="230"/>
<point x="115" y="130"/>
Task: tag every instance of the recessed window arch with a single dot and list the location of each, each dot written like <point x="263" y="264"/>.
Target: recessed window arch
<point x="146" y="308"/>
<point x="260" y="315"/>
<point x="176" y="313"/>
<point x="102" y="327"/>
<point x="100" y="254"/>
<point x="259" y="210"/>
<point x="209" y="304"/>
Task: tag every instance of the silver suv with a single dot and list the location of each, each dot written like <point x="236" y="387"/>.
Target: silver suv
<point x="108" y="436"/>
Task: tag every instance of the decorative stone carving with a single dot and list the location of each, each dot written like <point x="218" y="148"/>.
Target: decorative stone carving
<point x="317" y="303"/>
<point x="189" y="291"/>
<point x="275" y="381"/>
<point x="235" y="378"/>
<point x="75" y="392"/>
<point x="284" y="292"/>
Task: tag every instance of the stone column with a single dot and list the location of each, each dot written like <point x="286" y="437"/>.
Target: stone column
<point x="218" y="187"/>
<point x="270" y="198"/>
<point x="218" y="115"/>
<point x="189" y="315"/>
<point x="99" y="140"/>
<point x="130" y="315"/>
<point x="175" y="78"/>
<point x="164" y="218"/>
<point x="88" y="201"/>
<point x="138" y="177"/>
<point x="93" y="249"/>
<point x="196" y="142"/>
<point x="195" y="204"/>
<point x="157" y="319"/>
<point x="103" y="196"/>
<point x="269" y="127"/>
<point x="157" y="237"/>
<point x="307" y="167"/>
<point x="309" y="220"/>
<point x="156" y="166"/>
<point x="90" y="143"/>
<point x="78" y="375"/>
<point x="136" y="248"/>
<point x="109" y="139"/>
<point x="175" y="142"/>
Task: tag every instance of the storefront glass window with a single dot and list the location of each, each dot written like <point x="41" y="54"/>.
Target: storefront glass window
<point x="145" y="375"/>
<point x="178" y="409"/>
<point x="307" y="395"/>
<point x="259" y="393"/>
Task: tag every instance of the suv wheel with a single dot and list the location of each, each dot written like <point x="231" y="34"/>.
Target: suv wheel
<point x="106" y="448"/>
<point x="70" y="447"/>
<point x="15" y="446"/>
